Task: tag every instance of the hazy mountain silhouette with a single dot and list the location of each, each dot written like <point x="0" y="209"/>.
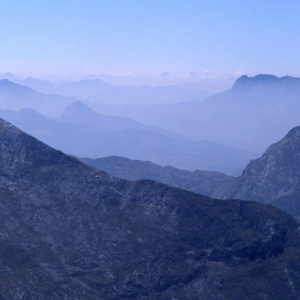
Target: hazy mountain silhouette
<point x="15" y="96"/>
<point x="79" y="113"/>
<point x="256" y="112"/>
<point x="99" y="91"/>
<point x="84" y="133"/>
<point x="73" y="232"/>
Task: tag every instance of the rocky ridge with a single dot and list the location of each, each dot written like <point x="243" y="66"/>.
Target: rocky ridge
<point x="69" y="231"/>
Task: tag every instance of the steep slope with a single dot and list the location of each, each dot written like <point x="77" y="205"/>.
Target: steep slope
<point x="88" y="134"/>
<point x="202" y="182"/>
<point x="254" y="113"/>
<point x="274" y="177"/>
<point x="15" y="96"/>
<point x="72" y="232"/>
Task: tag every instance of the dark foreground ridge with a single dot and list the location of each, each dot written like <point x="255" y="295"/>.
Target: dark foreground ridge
<point x="72" y="232"/>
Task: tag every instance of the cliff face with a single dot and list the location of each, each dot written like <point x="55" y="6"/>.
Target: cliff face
<point x="68" y="231"/>
<point x="274" y="178"/>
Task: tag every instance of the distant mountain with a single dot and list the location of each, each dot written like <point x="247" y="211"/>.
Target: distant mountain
<point x="202" y="182"/>
<point x="79" y="113"/>
<point x="84" y="133"/>
<point x="255" y="113"/>
<point x="99" y="91"/>
<point x="72" y="232"/>
<point x="273" y="86"/>
<point x="11" y="77"/>
<point x="15" y="96"/>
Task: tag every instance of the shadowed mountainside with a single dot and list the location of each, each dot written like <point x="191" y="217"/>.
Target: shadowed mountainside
<point x="73" y="232"/>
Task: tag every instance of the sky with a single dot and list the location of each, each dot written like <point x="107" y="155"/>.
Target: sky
<point x="144" y="38"/>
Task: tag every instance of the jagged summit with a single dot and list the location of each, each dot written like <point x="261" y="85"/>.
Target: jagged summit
<point x="267" y="81"/>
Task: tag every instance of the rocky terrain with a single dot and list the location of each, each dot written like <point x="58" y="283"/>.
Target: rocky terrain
<point x="69" y="231"/>
<point x="273" y="178"/>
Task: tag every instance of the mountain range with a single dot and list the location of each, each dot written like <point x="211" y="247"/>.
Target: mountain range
<point x="256" y="112"/>
<point x="99" y="91"/>
<point x="15" y="97"/>
<point x="82" y="132"/>
<point x="273" y="178"/>
<point x="69" y="231"/>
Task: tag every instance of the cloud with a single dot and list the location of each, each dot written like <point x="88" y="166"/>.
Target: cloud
<point x="119" y="73"/>
<point x="240" y="73"/>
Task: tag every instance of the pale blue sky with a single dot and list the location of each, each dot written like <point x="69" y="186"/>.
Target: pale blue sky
<point x="62" y="37"/>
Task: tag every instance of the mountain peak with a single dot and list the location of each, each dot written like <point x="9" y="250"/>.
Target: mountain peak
<point x="6" y="82"/>
<point x="23" y="154"/>
<point x="76" y="109"/>
<point x="293" y="133"/>
<point x="265" y="81"/>
<point x="4" y="125"/>
<point x="8" y="85"/>
<point x="19" y="149"/>
<point x="247" y="81"/>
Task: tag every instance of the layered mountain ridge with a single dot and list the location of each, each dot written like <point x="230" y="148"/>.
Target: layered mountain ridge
<point x="82" y="132"/>
<point x="255" y="113"/>
<point x="99" y="91"/>
<point x="15" y="97"/>
<point x="73" y="232"/>
<point x="273" y="178"/>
